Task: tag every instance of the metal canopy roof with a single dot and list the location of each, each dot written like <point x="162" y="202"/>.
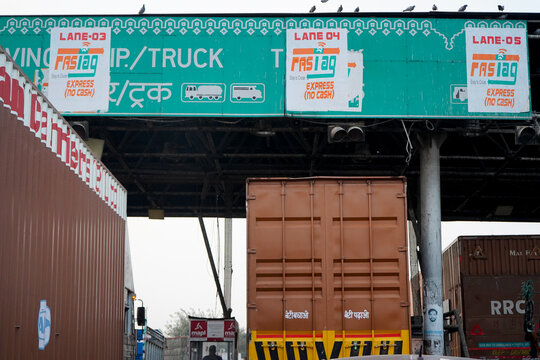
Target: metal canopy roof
<point x="198" y="166"/>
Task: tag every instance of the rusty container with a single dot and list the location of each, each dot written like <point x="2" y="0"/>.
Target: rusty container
<point x="482" y="277"/>
<point x="327" y="268"/>
<point x="61" y="245"/>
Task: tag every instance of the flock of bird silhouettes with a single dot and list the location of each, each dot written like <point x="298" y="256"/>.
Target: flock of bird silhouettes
<point x="340" y="8"/>
<point x="408" y="9"/>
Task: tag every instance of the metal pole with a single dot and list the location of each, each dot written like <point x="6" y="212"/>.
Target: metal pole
<point x="226" y="310"/>
<point x="227" y="273"/>
<point x="462" y="338"/>
<point x="430" y="234"/>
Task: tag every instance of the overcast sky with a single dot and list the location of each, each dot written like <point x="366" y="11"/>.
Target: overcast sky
<point x="171" y="269"/>
<point x="41" y="7"/>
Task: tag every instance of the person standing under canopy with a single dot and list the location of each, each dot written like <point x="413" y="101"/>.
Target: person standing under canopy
<point x="212" y="355"/>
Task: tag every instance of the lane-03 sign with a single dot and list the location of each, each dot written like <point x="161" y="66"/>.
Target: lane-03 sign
<point x="349" y="67"/>
<point x="79" y="73"/>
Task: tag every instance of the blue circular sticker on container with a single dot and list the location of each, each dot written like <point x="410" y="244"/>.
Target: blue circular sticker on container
<point x="44" y="325"/>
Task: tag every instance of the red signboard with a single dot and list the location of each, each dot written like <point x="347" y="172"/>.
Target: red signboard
<point x="212" y="329"/>
<point x="230" y="329"/>
<point x="198" y="329"/>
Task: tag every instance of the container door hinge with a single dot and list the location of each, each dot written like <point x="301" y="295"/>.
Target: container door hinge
<point x="402" y="249"/>
<point x="251" y="306"/>
<point x="401" y="195"/>
<point x="404" y="304"/>
<point x="251" y="251"/>
<point x="251" y="197"/>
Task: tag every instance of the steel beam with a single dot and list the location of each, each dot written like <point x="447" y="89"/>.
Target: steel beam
<point x="227" y="273"/>
<point x="226" y="310"/>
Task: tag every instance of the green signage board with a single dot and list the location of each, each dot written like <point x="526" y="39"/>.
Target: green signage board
<point x="237" y="66"/>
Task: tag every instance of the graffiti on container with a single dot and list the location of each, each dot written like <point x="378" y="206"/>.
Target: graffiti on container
<point x="150" y="91"/>
<point x="289" y="314"/>
<point x="349" y="314"/>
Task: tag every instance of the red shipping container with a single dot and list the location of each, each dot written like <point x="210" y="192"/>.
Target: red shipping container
<point x="62" y="236"/>
<point x="482" y="277"/>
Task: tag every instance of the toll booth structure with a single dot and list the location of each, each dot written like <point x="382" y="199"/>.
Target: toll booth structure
<point x="206" y="332"/>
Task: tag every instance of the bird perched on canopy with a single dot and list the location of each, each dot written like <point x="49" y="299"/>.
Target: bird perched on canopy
<point x="410" y="8"/>
<point x="463" y="8"/>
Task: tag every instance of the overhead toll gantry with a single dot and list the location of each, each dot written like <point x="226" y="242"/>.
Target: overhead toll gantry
<point x="196" y="104"/>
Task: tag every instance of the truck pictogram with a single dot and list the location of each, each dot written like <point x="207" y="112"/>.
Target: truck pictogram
<point x="246" y="92"/>
<point x="210" y="92"/>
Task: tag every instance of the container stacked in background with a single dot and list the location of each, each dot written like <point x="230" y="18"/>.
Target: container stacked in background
<point x="327" y="268"/>
<point x="483" y="276"/>
<point x="62" y="234"/>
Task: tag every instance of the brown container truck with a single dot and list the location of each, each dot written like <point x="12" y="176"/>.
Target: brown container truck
<point x="482" y="277"/>
<point x="327" y="268"/>
<point x="62" y="234"/>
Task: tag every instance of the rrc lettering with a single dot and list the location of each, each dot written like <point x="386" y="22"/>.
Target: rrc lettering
<point x="507" y="306"/>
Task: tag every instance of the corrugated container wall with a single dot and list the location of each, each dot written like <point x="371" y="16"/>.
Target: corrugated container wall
<point x="482" y="277"/>
<point x="327" y="268"/>
<point x="61" y="255"/>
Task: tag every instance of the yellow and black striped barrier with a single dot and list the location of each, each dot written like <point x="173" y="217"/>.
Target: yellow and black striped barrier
<point x="325" y="345"/>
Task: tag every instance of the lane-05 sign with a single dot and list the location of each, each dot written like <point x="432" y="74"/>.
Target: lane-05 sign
<point x="497" y="69"/>
<point x="290" y="66"/>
